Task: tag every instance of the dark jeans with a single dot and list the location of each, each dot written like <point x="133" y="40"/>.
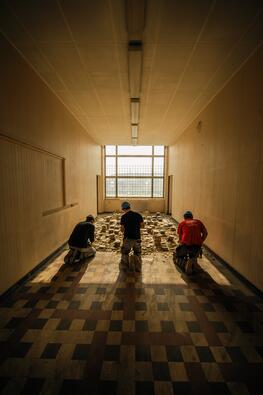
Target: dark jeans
<point x="185" y="257"/>
<point x="184" y="250"/>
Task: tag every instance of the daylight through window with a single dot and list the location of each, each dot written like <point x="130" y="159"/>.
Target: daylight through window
<point x="134" y="171"/>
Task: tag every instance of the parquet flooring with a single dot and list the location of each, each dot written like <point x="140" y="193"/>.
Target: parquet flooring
<point x="89" y="329"/>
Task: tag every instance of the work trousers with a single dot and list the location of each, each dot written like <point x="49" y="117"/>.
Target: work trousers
<point x="79" y="253"/>
<point x="127" y="246"/>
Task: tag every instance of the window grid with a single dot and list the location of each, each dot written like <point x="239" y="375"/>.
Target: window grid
<point x="137" y="186"/>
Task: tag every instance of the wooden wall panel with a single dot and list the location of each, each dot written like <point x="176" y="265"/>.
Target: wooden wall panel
<point x="48" y="167"/>
<point x="218" y="171"/>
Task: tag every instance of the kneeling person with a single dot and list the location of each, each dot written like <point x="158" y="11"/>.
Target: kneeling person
<point x="131" y="224"/>
<point x="192" y="233"/>
<point x="80" y="241"/>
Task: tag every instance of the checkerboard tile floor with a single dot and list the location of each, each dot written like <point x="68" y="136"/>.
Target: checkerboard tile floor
<point x="89" y="329"/>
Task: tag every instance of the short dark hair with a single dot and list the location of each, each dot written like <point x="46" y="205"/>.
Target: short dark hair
<point x="90" y="218"/>
<point x="125" y="205"/>
<point x="188" y="214"/>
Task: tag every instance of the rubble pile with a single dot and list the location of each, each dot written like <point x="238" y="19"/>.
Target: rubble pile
<point x="159" y="233"/>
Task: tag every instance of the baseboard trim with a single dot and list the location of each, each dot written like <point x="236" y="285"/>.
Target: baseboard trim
<point x="33" y="272"/>
<point x="244" y="280"/>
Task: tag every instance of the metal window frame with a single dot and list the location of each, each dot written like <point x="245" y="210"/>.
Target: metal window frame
<point x="116" y="177"/>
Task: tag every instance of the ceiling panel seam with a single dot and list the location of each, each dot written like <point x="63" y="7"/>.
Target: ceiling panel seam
<point x="210" y="11"/>
<point x="147" y="95"/>
<point x="118" y="60"/>
<point x="51" y="67"/>
<point x="219" y="68"/>
<point x="83" y="63"/>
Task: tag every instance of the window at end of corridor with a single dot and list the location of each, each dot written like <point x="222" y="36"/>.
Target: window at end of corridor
<point x="134" y="171"/>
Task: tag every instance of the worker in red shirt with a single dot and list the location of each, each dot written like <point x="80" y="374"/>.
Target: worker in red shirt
<point x="192" y="233"/>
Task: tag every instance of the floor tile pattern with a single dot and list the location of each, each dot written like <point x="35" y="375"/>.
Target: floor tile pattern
<point x="89" y="329"/>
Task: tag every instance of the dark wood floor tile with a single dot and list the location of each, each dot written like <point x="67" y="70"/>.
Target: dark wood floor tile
<point x="142" y="353"/>
<point x="64" y="324"/>
<point x="81" y="352"/>
<point x="38" y="323"/>
<point x="245" y="326"/>
<point x="207" y="307"/>
<point x="178" y="291"/>
<point x="31" y="304"/>
<point x="101" y="290"/>
<point x="89" y="325"/>
<point x="219" y="389"/>
<point x="107" y="388"/>
<point x="52" y="304"/>
<point x="70" y="387"/>
<point x="111" y="353"/>
<point x="14" y="323"/>
<point x="33" y="386"/>
<point x="95" y="306"/>
<point x="115" y="325"/>
<point x="20" y="350"/>
<point x="174" y="354"/>
<point x="80" y="290"/>
<point x="62" y="290"/>
<point x="236" y="355"/>
<point x="118" y="306"/>
<point x="140" y="306"/>
<point x="193" y="326"/>
<point x="182" y="388"/>
<point x="167" y="326"/>
<point x="199" y="384"/>
<point x="161" y="371"/>
<point x="94" y="364"/>
<point x="144" y="387"/>
<point x="195" y="372"/>
<point x="205" y="354"/>
<point x="219" y="327"/>
<point x="185" y="306"/>
<point x="141" y="326"/>
<point x="74" y="305"/>
<point x="82" y="314"/>
<point x="198" y="292"/>
<point x="51" y="350"/>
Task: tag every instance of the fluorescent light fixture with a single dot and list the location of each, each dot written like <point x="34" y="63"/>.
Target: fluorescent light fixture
<point x="135" y="68"/>
<point x="134" y="131"/>
<point x="134" y="141"/>
<point x="135" y="109"/>
<point x="135" y="18"/>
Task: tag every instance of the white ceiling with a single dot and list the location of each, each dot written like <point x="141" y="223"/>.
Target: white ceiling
<point x="79" y="48"/>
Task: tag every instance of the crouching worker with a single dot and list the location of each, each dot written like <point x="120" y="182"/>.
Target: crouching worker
<point x="131" y="224"/>
<point x="192" y="233"/>
<point x="80" y="241"/>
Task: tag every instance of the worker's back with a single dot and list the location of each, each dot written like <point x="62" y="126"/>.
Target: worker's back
<point x="190" y="232"/>
<point x="82" y="232"/>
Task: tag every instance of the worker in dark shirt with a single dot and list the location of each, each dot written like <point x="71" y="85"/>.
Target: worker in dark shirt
<point x="192" y="233"/>
<point x="131" y="224"/>
<point x="80" y="241"/>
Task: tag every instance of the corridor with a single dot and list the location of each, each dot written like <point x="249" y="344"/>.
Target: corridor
<point x="88" y="329"/>
<point x="152" y="106"/>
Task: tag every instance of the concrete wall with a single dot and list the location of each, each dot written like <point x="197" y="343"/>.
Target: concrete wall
<point x="218" y="171"/>
<point x="48" y="167"/>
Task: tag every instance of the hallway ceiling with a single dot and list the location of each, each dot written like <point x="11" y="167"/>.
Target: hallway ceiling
<point x="79" y="48"/>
